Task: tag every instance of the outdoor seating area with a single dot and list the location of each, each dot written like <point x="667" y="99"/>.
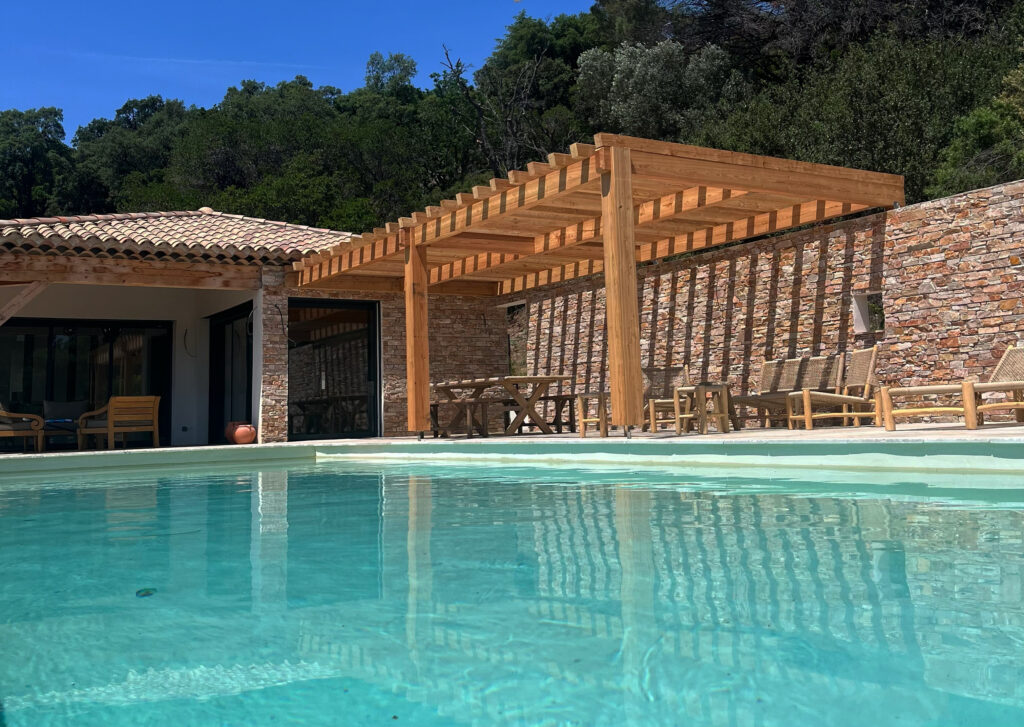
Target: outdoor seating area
<point x="837" y="389"/>
<point x="100" y="429"/>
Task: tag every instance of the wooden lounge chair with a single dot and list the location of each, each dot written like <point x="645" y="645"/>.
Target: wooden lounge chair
<point x="780" y="378"/>
<point x="27" y="426"/>
<point x="1007" y="378"/>
<point x="855" y="400"/>
<point x="121" y="415"/>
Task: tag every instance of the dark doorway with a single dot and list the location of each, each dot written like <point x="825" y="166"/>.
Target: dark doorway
<point x="230" y="369"/>
<point x="333" y="369"/>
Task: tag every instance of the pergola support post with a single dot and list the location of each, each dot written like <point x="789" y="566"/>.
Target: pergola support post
<point x="622" y="316"/>
<point x="417" y="349"/>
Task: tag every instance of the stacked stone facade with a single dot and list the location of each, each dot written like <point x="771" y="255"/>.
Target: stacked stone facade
<point x="950" y="273"/>
<point x="272" y="357"/>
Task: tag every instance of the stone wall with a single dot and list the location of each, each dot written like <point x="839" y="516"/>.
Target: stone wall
<point x="468" y="338"/>
<point x="950" y="272"/>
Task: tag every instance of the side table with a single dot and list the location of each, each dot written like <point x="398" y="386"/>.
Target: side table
<point x="712" y="404"/>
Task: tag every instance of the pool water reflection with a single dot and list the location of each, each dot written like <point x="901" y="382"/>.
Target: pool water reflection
<point x="347" y="595"/>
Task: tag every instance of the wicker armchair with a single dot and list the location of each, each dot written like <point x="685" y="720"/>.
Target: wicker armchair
<point x="1007" y="378"/>
<point x="853" y="402"/>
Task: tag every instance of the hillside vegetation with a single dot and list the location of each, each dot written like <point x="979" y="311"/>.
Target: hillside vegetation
<point x="931" y="89"/>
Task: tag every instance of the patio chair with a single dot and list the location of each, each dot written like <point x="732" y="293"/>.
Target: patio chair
<point x="1007" y="378"/>
<point x="854" y="400"/>
<point x="669" y="396"/>
<point x="601" y="416"/>
<point x="27" y="426"/>
<point x="121" y="415"/>
<point x="780" y="378"/>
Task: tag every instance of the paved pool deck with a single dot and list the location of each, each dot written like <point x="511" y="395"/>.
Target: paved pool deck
<point x="995" y="449"/>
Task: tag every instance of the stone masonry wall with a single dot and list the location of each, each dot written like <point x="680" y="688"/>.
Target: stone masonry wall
<point x="950" y="272"/>
<point x="468" y="338"/>
<point x="273" y="409"/>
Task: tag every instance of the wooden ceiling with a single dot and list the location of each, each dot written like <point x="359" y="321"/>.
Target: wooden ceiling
<point x="543" y="225"/>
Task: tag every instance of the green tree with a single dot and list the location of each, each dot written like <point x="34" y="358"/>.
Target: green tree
<point x="32" y="154"/>
<point x="987" y="147"/>
<point x="659" y="91"/>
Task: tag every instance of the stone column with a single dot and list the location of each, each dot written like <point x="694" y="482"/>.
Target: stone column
<point x="270" y="357"/>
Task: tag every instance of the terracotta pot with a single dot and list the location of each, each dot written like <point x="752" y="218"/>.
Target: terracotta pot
<point x="240" y="433"/>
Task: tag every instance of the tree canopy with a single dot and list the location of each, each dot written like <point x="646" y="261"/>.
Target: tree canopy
<point x="932" y="90"/>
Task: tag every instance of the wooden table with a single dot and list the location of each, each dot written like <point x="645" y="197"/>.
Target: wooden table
<point x="466" y="394"/>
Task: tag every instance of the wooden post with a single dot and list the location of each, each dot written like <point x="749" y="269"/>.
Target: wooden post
<point x="417" y="349"/>
<point x="970" y="405"/>
<point x="622" y="317"/>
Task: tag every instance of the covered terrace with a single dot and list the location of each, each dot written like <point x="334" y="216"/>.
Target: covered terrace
<point x="603" y="208"/>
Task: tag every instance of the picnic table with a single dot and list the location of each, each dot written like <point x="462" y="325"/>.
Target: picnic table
<point x="470" y="404"/>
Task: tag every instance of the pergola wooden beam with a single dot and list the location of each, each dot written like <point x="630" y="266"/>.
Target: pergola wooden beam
<point x="698" y="165"/>
<point x="765" y="223"/>
<point x="646" y="214"/>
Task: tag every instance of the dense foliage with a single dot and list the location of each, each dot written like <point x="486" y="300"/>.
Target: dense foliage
<point x="932" y="89"/>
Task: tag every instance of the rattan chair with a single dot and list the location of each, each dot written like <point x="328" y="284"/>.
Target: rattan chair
<point x="852" y="402"/>
<point x="675" y="405"/>
<point x="780" y="378"/>
<point x="1007" y="378"/>
<point x="26" y="426"/>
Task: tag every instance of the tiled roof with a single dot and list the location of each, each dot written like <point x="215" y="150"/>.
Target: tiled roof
<point x="202" y="234"/>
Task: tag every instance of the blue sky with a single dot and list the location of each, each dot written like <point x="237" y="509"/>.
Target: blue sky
<point x="88" y="58"/>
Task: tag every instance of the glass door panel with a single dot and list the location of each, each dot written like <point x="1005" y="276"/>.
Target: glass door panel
<point x="230" y="369"/>
<point x="333" y="387"/>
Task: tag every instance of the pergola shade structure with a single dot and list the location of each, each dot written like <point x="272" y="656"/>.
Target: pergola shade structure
<point x="603" y="208"/>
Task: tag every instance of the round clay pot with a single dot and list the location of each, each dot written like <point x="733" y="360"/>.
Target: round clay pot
<point x="240" y="433"/>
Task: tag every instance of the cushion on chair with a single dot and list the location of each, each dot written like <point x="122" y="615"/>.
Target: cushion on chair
<point x="64" y="409"/>
<point x="102" y="423"/>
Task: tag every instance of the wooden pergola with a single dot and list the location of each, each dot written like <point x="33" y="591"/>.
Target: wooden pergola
<point x="603" y="208"/>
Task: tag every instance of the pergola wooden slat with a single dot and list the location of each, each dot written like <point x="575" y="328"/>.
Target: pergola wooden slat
<point x="600" y="209"/>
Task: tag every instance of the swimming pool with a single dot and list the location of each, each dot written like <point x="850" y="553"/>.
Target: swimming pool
<point x="357" y="593"/>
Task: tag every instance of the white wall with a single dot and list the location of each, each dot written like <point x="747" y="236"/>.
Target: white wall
<point x="186" y="308"/>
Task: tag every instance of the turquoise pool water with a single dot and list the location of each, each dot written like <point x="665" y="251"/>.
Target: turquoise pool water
<point x="348" y="595"/>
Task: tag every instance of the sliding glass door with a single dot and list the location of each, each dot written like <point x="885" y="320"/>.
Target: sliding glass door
<point x="84" y="362"/>
<point x="333" y="369"/>
<point x="230" y="369"/>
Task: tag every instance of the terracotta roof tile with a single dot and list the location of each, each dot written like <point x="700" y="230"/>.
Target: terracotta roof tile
<point x="200" y="234"/>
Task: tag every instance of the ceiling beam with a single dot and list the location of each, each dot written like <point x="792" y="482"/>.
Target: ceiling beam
<point x="19" y="301"/>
